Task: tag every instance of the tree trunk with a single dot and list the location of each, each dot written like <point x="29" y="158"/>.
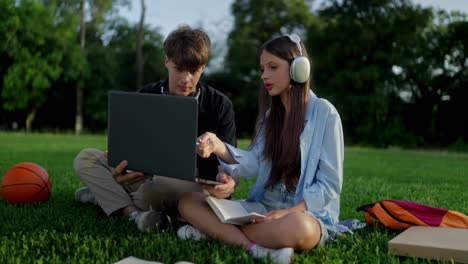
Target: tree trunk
<point x="30" y="119"/>
<point x="139" y="47"/>
<point x="79" y="87"/>
<point x="79" y="108"/>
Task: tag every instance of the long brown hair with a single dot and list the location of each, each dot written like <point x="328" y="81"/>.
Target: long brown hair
<point x="283" y="124"/>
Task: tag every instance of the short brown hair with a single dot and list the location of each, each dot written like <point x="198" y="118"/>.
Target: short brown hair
<point x="188" y="48"/>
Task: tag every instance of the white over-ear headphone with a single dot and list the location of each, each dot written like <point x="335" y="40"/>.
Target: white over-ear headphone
<point x="300" y="66"/>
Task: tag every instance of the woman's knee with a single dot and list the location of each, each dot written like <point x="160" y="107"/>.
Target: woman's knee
<point x="187" y="201"/>
<point x="308" y="231"/>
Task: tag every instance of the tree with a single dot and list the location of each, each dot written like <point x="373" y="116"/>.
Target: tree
<point x="97" y="10"/>
<point x="79" y="87"/>
<point x="8" y="28"/>
<point x="358" y="48"/>
<point x="37" y="47"/>
<point x="437" y="78"/>
<point x="122" y="45"/>
<point x="112" y="66"/>
<point x="139" y="46"/>
<point x="455" y="131"/>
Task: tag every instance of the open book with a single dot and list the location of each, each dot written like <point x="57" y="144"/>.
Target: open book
<point x="134" y="260"/>
<point x="231" y="212"/>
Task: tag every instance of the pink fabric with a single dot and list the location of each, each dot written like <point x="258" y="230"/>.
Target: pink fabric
<point x="432" y="216"/>
<point x="250" y="245"/>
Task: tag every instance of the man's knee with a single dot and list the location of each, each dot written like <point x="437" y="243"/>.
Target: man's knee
<point x="86" y="158"/>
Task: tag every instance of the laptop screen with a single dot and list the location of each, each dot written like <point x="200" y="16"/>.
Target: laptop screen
<point x="155" y="133"/>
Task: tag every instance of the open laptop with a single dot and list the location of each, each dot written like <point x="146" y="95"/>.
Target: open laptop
<point x="156" y="134"/>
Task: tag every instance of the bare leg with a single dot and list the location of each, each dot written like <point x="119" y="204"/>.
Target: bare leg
<point x="194" y="209"/>
<point x="296" y="230"/>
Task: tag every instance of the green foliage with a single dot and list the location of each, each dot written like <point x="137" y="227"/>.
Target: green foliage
<point x="395" y="71"/>
<point x="438" y="80"/>
<point x="355" y="70"/>
<point x="8" y="27"/>
<point x="37" y="45"/>
<point x="392" y="69"/>
<point x="98" y="11"/>
<point x="113" y="66"/>
<point x="122" y="44"/>
<point x="63" y="231"/>
<point x="45" y="64"/>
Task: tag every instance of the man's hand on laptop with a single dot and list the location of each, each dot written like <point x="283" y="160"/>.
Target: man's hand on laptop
<point x="123" y="176"/>
<point x="223" y="190"/>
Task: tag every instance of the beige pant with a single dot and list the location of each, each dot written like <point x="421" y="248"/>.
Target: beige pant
<point x="155" y="192"/>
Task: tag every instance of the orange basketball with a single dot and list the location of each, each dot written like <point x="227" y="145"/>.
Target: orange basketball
<point x="26" y="182"/>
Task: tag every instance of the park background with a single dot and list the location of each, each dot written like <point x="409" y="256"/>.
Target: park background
<point x="396" y="70"/>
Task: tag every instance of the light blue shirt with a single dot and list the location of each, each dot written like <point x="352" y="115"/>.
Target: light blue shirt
<point x="321" y="178"/>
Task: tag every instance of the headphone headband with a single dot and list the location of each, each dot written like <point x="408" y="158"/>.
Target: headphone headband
<point x="296" y="39"/>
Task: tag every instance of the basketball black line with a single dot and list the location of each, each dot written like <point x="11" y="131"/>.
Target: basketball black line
<point x="34" y="173"/>
<point x="29" y="183"/>
<point x="30" y="198"/>
<point x="42" y="189"/>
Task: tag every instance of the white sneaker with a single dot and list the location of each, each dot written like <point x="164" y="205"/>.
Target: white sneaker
<point x="281" y="255"/>
<point x="189" y="232"/>
<point x="148" y="221"/>
<point x="84" y="195"/>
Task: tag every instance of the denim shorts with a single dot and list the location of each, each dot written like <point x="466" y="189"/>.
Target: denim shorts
<point x="277" y="197"/>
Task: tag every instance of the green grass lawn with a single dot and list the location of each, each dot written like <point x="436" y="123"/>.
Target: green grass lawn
<point x="62" y="231"/>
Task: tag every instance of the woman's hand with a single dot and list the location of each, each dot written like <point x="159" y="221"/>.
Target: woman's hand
<point x="223" y="190"/>
<point x="208" y="143"/>
<point x="123" y="176"/>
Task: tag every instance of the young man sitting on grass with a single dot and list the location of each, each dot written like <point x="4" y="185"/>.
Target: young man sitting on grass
<point x="120" y="192"/>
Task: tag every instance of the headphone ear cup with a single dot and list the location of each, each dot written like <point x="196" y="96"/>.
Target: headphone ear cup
<point x="300" y="69"/>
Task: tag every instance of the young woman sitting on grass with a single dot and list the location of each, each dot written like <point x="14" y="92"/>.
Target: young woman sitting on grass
<point x="296" y="155"/>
